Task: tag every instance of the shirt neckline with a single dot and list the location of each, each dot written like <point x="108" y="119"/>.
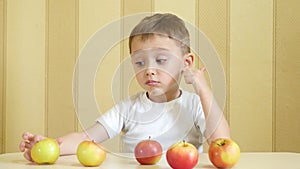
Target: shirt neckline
<point x="145" y="99"/>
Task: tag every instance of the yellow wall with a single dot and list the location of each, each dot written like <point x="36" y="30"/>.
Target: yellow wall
<point x="2" y="72"/>
<point x="24" y="82"/>
<point x="286" y="75"/>
<point x="61" y="53"/>
<point x="258" y="43"/>
<point x="251" y="74"/>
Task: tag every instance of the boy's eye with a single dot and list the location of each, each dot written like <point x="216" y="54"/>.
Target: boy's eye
<point x="160" y="61"/>
<point x="140" y="63"/>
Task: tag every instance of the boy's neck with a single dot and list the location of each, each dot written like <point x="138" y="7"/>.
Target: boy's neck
<point x="168" y="96"/>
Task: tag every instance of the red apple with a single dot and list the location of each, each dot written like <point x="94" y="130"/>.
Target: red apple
<point x="224" y="153"/>
<point x="182" y="155"/>
<point x="90" y="153"/>
<point x="148" y="152"/>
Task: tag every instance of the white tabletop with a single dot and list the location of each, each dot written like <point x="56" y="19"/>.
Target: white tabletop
<point x="247" y="161"/>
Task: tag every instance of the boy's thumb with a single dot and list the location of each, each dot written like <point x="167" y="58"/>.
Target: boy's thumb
<point x="59" y="140"/>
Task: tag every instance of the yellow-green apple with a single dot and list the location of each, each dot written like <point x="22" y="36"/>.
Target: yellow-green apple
<point x="182" y="155"/>
<point x="45" y="151"/>
<point x="90" y="153"/>
<point x="148" y="152"/>
<point x="224" y="153"/>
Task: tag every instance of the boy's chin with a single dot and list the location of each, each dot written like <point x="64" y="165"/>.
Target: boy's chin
<point x="156" y="93"/>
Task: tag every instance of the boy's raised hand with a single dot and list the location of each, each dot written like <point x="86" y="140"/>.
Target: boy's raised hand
<point x="195" y="77"/>
<point x="29" y="140"/>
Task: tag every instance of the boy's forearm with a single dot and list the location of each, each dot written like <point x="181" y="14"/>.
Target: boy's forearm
<point x="216" y="124"/>
<point x="206" y="97"/>
<point x="216" y="127"/>
<point x="71" y="141"/>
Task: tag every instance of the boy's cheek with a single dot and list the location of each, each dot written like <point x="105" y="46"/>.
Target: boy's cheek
<point x="174" y="70"/>
<point x="175" y="74"/>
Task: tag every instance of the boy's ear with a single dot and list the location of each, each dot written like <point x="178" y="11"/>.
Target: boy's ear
<point x="189" y="59"/>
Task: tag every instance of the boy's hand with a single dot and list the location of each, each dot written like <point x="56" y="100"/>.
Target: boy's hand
<point x="29" y="140"/>
<point x="196" y="78"/>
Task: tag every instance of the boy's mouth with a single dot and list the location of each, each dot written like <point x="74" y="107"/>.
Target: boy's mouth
<point x="152" y="83"/>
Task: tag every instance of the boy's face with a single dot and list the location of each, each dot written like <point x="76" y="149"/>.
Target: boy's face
<point x="158" y="63"/>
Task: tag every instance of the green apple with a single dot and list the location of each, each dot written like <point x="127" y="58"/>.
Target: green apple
<point x="90" y="153"/>
<point x="45" y="151"/>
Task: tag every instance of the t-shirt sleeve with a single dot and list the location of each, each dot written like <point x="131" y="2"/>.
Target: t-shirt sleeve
<point x="112" y="121"/>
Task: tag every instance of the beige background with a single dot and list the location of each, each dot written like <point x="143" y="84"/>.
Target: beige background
<point x="258" y="43"/>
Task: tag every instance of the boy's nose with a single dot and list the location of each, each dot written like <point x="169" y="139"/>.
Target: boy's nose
<point x="150" y="71"/>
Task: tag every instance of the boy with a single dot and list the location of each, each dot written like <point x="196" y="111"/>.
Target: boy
<point x="160" y="53"/>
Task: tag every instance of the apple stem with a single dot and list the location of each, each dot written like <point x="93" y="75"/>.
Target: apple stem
<point x="222" y="143"/>
<point x="149" y="137"/>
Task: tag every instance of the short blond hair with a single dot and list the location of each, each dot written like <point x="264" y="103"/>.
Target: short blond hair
<point x="163" y="24"/>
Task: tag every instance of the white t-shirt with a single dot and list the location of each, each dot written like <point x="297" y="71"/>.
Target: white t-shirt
<point x="138" y="117"/>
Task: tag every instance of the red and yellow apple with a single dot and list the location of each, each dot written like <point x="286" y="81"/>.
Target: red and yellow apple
<point x="224" y="153"/>
<point x="148" y="152"/>
<point x="45" y="151"/>
<point x="90" y="153"/>
<point x="182" y="155"/>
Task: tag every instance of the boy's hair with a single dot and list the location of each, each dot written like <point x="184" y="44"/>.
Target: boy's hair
<point x="163" y="24"/>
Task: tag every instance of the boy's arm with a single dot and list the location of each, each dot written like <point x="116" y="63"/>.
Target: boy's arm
<point x="216" y="124"/>
<point x="68" y="143"/>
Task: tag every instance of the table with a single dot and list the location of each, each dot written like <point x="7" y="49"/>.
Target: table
<point x="126" y="161"/>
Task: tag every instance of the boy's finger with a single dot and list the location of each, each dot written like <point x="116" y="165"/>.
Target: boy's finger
<point x="203" y="69"/>
<point x="189" y="73"/>
<point x="27" y="136"/>
<point x="59" y="140"/>
<point x="37" y="138"/>
<point x="29" y="145"/>
<point x="183" y="69"/>
<point x="22" y="146"/>
<point x="27" y="155"/>
<point x="186" y="69"/>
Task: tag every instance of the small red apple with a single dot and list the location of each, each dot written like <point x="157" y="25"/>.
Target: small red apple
<point x="90" y="153"/>
<point x="148" y="152"/>
<point x="224" y="153"/>
<point x="182" y="155"/>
